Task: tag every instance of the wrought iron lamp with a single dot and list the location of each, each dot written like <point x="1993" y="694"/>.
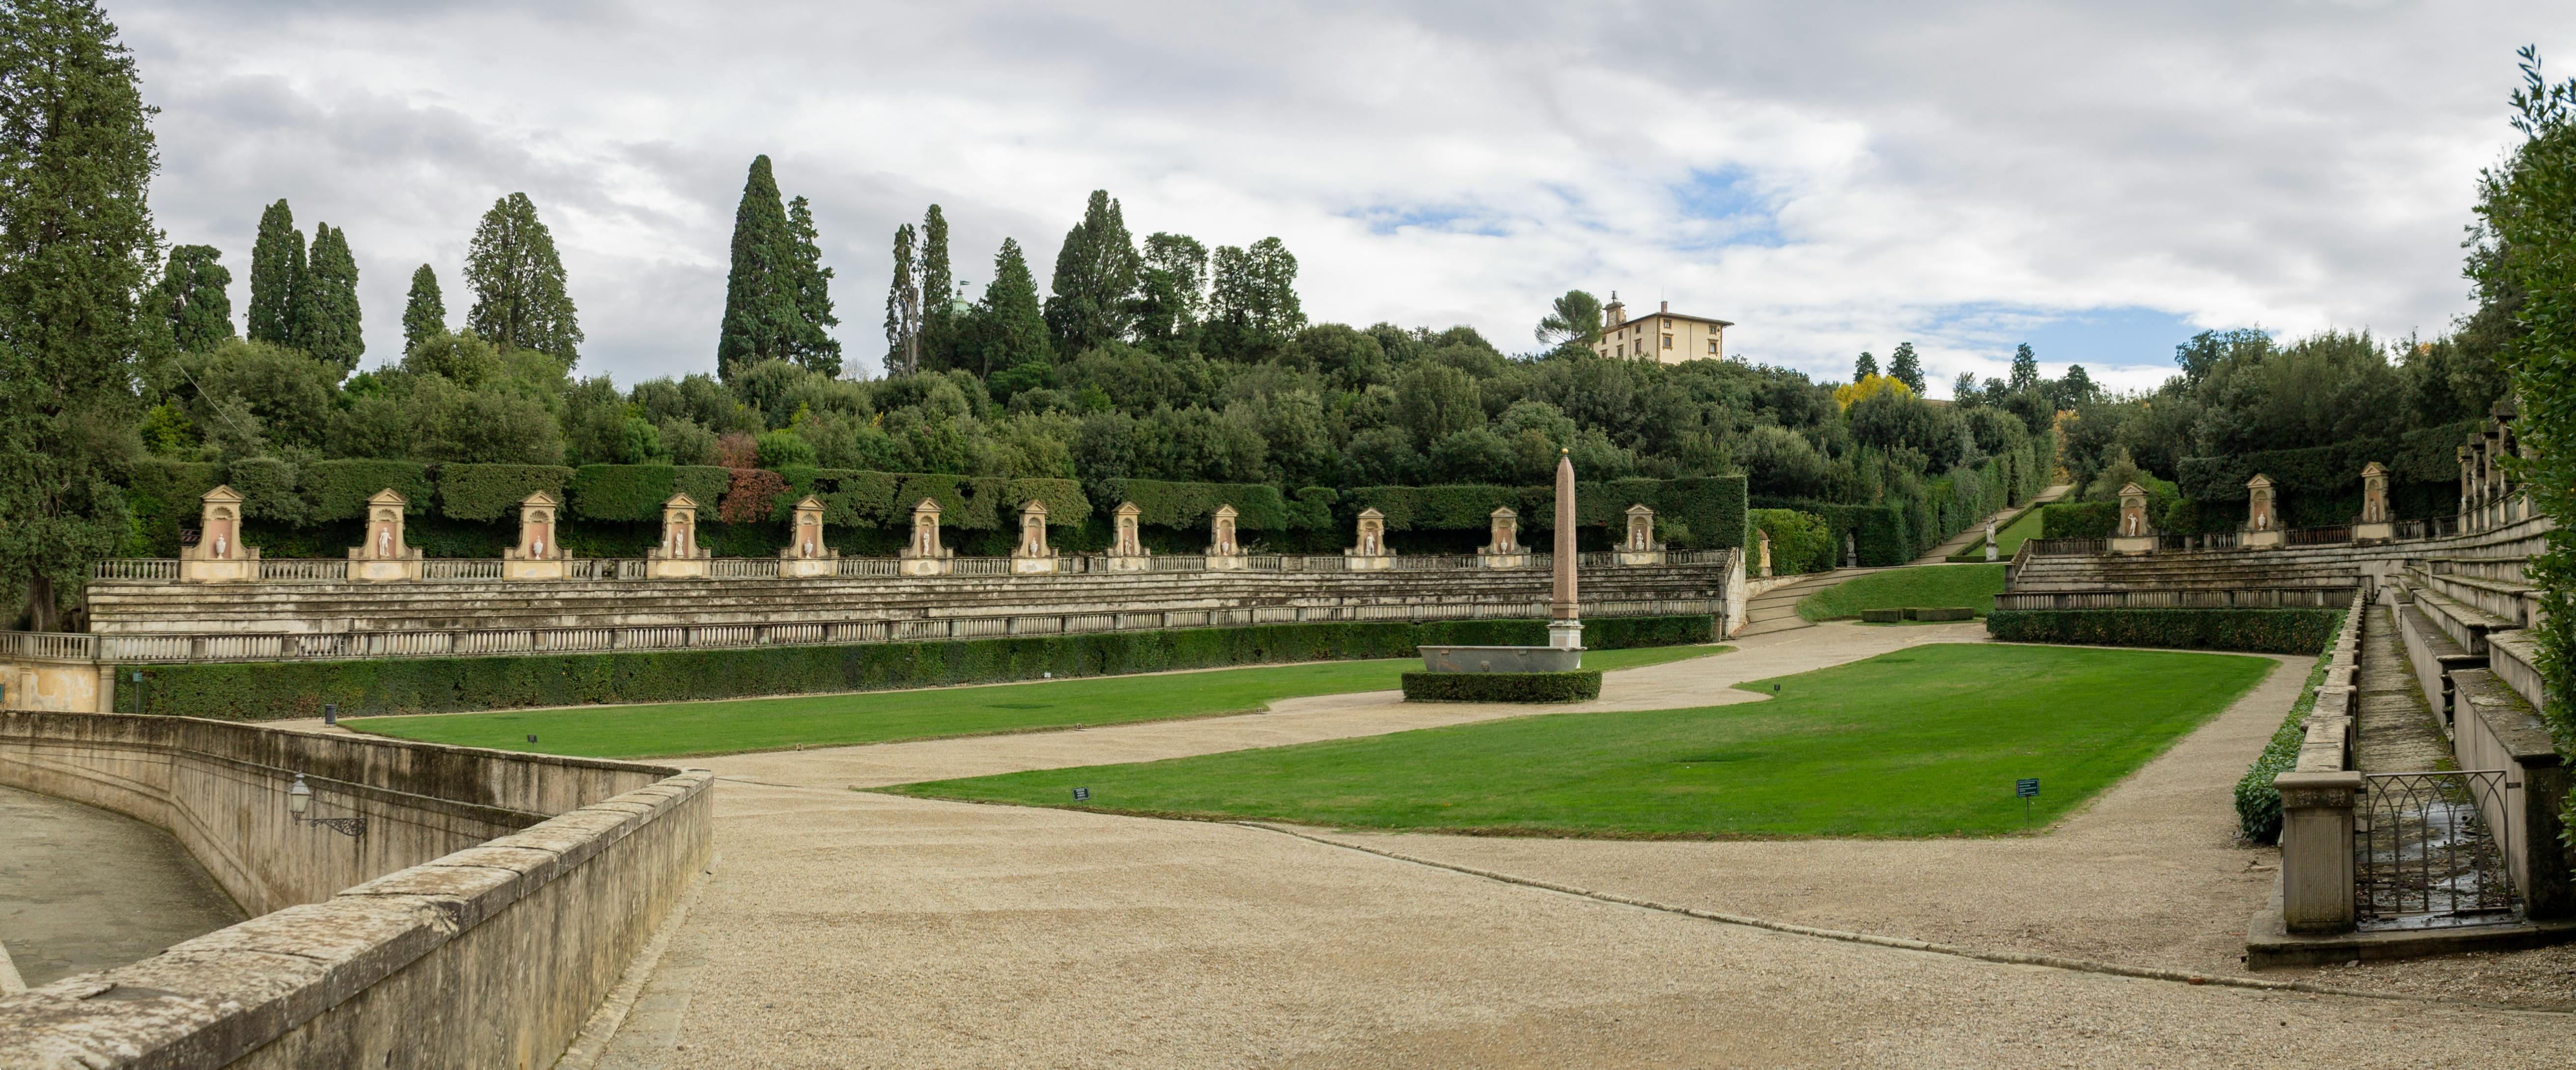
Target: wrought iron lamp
<point x="299" y="800"/>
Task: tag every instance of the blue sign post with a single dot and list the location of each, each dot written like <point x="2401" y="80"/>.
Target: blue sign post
<point x="2027" y="788"/>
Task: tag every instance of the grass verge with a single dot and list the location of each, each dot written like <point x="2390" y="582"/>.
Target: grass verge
<point x="1921" y="742"/>
<point x="736" y="725"/>
<point x="2008" y="539"/>
<point x="1973" y="586"/>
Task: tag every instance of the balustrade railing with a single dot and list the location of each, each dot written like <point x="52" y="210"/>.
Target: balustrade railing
<point x="2176" y="598"/>
<point x="2319" y="536"/>
<point x="303" y="570"/>
<point x="67" y="646"/>
<point x="459" y="568"/>
<point x="2066" y="547"/>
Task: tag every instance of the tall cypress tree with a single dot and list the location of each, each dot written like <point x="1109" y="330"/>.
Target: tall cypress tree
<point x="1905" y="368"/>
<point x="424" y="311"/>
<point x="903" y="309"/>
<point x="760" y="315"/>
<point x="938" y="291"/>
<point x="520" y="300"/>
<point x="814" y="346"/>
<point x="1095" y="279"/>
<point x="326" y="301"/>
<point x="193" y="297"/>
<point x="1010" y="327"/>
<point x="276" y="268"/>
<point x="77" y="254"/>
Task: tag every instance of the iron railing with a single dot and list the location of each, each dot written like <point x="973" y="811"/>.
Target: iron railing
<point x="2320" y="536"/>
<point x="2425" y="854"/>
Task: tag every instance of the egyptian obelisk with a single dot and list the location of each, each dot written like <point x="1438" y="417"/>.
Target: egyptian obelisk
<point x="1564" y="623"/>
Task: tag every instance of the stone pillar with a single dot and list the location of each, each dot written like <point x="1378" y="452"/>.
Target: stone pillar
<point x="806" y="553"/>
<point x="678" y="556"/>
<point x="1369" y="553"/>
<point x="2262" y="528"/>
<point x="384" y="556"/>
<point x="2316" y="850"/>
<point x="539" y="554"/>
<point x="2376" y="523"/>
<point x="1640" y="547"/>
<point x="1224" y="552"/>
<point x="1126" y="540"/>
<point x="1505" y="551"/>
<point x="218" y="555"/>
<point x="1032" y="557"/>
<point x="922" y="554"/>
<point x="107" y="689"/>
<point x="1564" y="606"/>
<point x="2468" y="483"/>
<point x="2135" y="535"/>
<point x="1765" y="573"/>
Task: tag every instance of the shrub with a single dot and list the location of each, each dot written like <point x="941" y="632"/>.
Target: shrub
<point x="1257" y="506"/>
<point x="267" y="487"/>
<point x="753" y="497"/>
<point x="268" y="690"/>
<point x="2258" y="801"/>
<point x="2261" y="631"/>
<point x="2079" y="520"/>
<point x="1881" y="532"/>
<point x="1800" y="541"/>
<point x="632" y="492"/>
<point x="494" y="491"/>
<point x="338" y="490"/>
<point x="1576" y="686"/>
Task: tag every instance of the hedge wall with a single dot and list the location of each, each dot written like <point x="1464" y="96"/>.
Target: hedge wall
<point x="1703" y="512"/>
<point x="1257" y="506"/>
<point x="269" y="690"/>
<point x="636" y="491"/>
<point x="2079" y="520"/>
<point x="1881" y="531"/>
<point x="1575" y="686"/>
<point x="1800" y="541"/>
<point x="338" y="490"/>
<point x="494" y="491"/>
<point x="2261" y="631"/>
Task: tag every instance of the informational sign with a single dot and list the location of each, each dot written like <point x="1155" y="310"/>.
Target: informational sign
<point x="1082" y="794"/>
<point x="2026" y="787"/>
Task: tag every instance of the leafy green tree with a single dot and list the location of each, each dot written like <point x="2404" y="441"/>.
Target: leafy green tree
<point x="2209" y="350"/>
<point x="258" y="396"/>
<point x="939" y="317"/>
<point x="1009" y="328"/>
<point x="77" y="253"/>
<point x="2025" y="370"/>
<point x="1903" y="367"/>
<point x="424" y="311"/>
<point x="1964" y="389"/>
<point x="1171" y="288"/>
<point x="1435" y="400"/>
<point x="518" y="281"/>
<point x="1253" y="308"/>
<point x="276" y="270"/>
<point x="813" y="345"/>
<point x="326" y="301"/>
<point x="1574" y="321"/>
<point x="1095" y="279"/>
<point x="193" y="297"/>
<point x="1865" y="367"/>
<point x="903" y="309"/>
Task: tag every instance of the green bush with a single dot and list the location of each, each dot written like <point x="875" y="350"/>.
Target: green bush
<point x="338" y="490"/>
<point x="633" y="492"/>
<point x="2258" y="800"/>
<point x="2261" y="631"/>
<point x="1576" y="686"/>
<point x="267" y="487"/>
<point x="494" y="491"/>
<point x="1257" y="506"/>
<point x="167" y="495"/>
<point x="1881" y="532"/>
<point x="2079" y="520"/>
<point x="1800" y="541"/>
<point x="269" y="690"/>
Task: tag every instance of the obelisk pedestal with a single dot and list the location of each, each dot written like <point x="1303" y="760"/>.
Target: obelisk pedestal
<point x="1564" y="622"/>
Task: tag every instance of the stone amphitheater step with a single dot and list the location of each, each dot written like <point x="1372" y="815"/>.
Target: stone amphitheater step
<point x="1776" y="610"/>
<point x="2397" y="731"/>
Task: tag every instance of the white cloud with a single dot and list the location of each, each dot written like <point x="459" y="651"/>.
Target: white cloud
<point x="1832" y="178"/>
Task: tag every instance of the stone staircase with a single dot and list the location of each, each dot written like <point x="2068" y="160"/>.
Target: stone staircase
<point x="1776" y="609"/>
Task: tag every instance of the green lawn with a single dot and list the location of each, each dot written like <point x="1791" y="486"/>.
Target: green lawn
<point x="885" y="716"/>
<point x="1922" y="742"/>
<point x="1973" y="586"/>
<point x="2008" y="538"/>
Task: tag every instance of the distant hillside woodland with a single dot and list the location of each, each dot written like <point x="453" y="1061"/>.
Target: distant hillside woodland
<point x="1156" y="370"/>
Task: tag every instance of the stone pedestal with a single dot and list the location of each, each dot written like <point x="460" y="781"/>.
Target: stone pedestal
<point x="807" y="555"/>
<point x="1369" y="552"/>
<point x="678" y="555"/>
<point x="2262" y="540"/>
<point x="537" y="556"/>
<point x="1126" y="545"/>
<point x="384" y="557"/>
<point x="1225" y="552"/>
<point x="1565" y="635"/>
<point x="219" y="556"/>
<point x="1505" y="549"/>
<point x="2374" y="531"/>
<point x="1032" y="557"/>
<point x="547" y="569"/>
<point x="2316" y="850"/>
<point x="1024" y="565"/>
<point x="1488" y="559"/>
<point x="2133" y="544"/>
<point x="923" y="555"/>
<point x="1639" y="547"/>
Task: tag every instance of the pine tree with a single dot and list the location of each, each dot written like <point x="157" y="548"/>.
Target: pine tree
<point x="938" y="291"/>
<point x="424" y="311"/>
<point x="1865" y="367"/>
<point x="814" y="346"/>
<point x="1095" y="279"/>
<point x="276" y="268"/>
<point x="760" y="302"/>
<point x="2025" y="370"/>
<point x="1011" y="329"/>
<point x="77" y="253"/>
<point x="193" y="297"/>
<point x="1903" y="367"/>
<point x="326" y="301"/>
<point x="903" y="309"/>
<point x="518" y="283"/>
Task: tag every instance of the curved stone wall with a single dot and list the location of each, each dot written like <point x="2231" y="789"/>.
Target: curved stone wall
<point x="491" y="902"/>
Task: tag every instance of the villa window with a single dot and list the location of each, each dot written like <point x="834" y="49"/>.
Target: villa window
<point x="1668" y="341"/>
<point x="1712" y="347"/>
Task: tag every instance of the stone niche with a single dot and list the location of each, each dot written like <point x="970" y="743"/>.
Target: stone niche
<point x="1640" y="547"/>
<point x="219" y="556"/>
<point x="2262" y="530"/>
<point x="2135" y="534"/>
<point x="678" y="555"/>
<point x="922" y="554"/>
<point x="1505" y="551"/>
<point x="1225" y="552"/>
<point x="806" y="554"/>
<point x="538" y="556"/>
<point x="1127" y="551"/>
<point x="384" y="556"/>
<point x="1032" y="557"/>
<point x="1369" y="552"/>
<point x="2376" y="523"/>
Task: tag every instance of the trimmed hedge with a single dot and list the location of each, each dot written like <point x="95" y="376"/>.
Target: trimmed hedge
<point x="1576" y="686"/>
<point x="1880" y="530"/>
<point x="494" y="491"/>
<point x="634" y="492"/>
<point x="270" y="690"/>
<point x="2258" y="800"/>
<point x="2079" y="520"/>
<point x="338" y="490"/>
<point x="1257" y="506"/>
<point x="1705" y="512"/>
<point x="267" y="487"/>
<point x="1800" y="541"/>
<point x="2260" y="631"/>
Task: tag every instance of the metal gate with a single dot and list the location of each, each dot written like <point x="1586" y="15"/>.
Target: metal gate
<point x="2425" y="854"/>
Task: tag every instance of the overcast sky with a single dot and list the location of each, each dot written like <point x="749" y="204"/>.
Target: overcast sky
<point x="2101" y="180"/>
